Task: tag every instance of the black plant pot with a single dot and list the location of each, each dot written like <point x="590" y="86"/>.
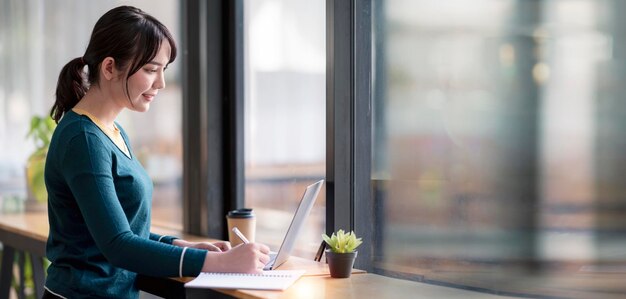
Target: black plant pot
<point x="340" y="264"/>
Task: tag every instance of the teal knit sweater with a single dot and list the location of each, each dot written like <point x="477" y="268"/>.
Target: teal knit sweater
<point x="99" y="203"/>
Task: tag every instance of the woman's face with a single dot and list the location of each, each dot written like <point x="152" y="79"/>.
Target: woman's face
<point x="144" y="85"/>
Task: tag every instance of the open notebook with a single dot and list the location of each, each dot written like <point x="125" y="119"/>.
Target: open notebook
<point x="269" y="280"/>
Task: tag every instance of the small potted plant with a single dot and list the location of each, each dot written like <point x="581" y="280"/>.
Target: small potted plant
<point x="341" y="253"/>
<point x="41" y="129"/>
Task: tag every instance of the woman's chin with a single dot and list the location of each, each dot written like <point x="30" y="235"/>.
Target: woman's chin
<point x="141" y="108"/>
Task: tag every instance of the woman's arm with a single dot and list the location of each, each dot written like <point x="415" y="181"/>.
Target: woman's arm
<point x="87" y="168"/>
<point x="162" y="238"/>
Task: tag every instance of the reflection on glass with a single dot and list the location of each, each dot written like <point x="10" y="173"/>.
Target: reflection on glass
<point x="498" y="144"/>
<point x="284" y="115"/>
<point x="35" y="42"/>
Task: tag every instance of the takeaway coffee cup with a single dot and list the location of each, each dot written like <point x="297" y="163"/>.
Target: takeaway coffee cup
<point x="245" y="221"/>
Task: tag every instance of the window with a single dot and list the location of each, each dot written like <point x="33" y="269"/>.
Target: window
<point x="36" y="41"/>
<point x="156" y="134"/>
<point x="496" y="148"/>
<point x="284" y="115"/>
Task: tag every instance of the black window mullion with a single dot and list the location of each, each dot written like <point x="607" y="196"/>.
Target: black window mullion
<point x="338" y="116"/>
<point x="363" y="209"/>
<point x="348" y="121"/>
<point x="234" y="101"/>
<point x="194" y="113"/>
<point x="212" y="113"/>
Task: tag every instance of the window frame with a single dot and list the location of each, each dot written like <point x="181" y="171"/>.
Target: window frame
<point x="349" y="204"/>
<point x="213" y="141"/>
<point x="213" y="168"/>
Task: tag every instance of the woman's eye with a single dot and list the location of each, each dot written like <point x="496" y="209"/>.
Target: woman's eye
<point x="151" y="70"/>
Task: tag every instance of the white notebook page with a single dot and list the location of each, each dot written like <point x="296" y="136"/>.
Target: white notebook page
<point x="269" y="280"/>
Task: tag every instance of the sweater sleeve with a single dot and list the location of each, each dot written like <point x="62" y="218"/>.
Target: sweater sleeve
<point x="162" y="238"/>
<point x="87" y="168"/>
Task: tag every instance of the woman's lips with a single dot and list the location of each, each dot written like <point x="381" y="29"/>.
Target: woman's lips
<point x="148" y="96"/>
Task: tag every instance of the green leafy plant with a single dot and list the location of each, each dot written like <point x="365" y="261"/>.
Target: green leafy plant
<point x="342" y="242"/>
<point x="41" y="129"/>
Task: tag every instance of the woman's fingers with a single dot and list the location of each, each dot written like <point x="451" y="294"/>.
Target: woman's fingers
<point x="206" y="246"/>
<point x="224" y="246"/>
<point x="260" y="265"/>
<point x="215" y="248"/>
<point x="264" y="258"/>
<point x="263" y="248"/>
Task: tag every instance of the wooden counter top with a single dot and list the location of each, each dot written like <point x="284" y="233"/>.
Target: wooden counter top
<point x="31" y="225"/>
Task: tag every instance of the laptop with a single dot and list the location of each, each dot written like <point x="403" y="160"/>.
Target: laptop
<point x="304" y="208"/>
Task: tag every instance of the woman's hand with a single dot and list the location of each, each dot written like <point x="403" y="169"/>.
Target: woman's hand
<point x="223" y="246"/>
<point x="217" y="246"/>
<point x="244" y="258"/>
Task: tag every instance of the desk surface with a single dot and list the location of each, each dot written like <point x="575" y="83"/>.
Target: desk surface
<point x="31" y="225"/>
<point x="29" y="232"/>
<point x="361" y="286"/>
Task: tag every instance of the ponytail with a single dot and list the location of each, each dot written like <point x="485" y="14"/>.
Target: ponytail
<point x="71" y="88"/>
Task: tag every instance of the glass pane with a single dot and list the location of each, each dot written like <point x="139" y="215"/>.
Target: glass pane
<point x="284" y="115"/>
<point x="498" y="138"/>
<point x="157" y="134"/>
<point x="36" y="41"/>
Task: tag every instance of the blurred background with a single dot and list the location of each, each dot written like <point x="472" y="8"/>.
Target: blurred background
<point x="498" y="130"/>
<point x="498" y="138"/>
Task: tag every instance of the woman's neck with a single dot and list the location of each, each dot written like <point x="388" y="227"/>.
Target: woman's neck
<point x="101" y="106"/>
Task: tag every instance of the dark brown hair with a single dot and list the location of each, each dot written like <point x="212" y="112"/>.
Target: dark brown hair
<point x="128" y="35"/>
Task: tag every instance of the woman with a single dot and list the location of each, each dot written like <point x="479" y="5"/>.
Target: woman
<point x="99" y="195"/>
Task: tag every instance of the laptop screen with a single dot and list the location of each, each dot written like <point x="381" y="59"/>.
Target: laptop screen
<point x="304" y="208"/>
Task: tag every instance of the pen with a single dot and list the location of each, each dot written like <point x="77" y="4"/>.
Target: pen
<point x="320" y="251"/>
<point x="240" y="235"/>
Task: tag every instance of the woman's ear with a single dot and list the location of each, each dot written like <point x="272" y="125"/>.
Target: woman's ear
<point x="107" y="68"/>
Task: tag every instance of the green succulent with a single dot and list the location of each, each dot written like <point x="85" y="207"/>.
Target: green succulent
<point x="342" y="242"/>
